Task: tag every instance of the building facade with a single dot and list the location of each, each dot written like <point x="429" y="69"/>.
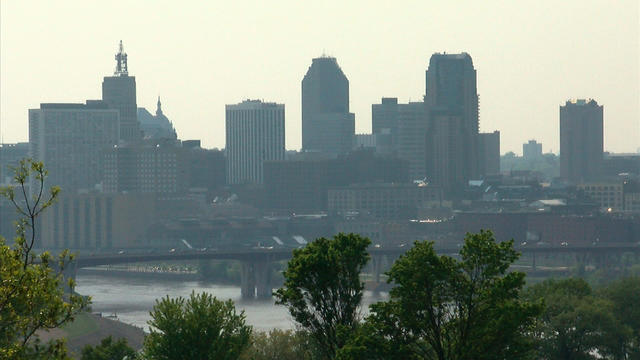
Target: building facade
<point x="489" y="153"/>
<point x="608" y="195"/>
<point x="327" y="124"/>
<point x="383" y="200"/>
<point x="532" y="150"/>
<point x="149" y="167"/>
<point x="98" y="221"/>
<point x="581" y="140"/>
<point x="384" y="120"/>
<point x="451" y="103"/>
<point x="302" y="185"/>
<point x="411" y="138"/>
<point x="10" y="156"/>
<point x="70" y="139"/>
<point x="255" y="134"/>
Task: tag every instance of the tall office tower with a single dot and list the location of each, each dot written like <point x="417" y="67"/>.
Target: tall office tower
<point x="451" y="103"/>
<point x="255" y="133"/>
<point x="405" y="127"/>
<point x="532" y="150"/>
<point x="489" y="153"/>
<point x="327" y="124"/>
<point x="581" y="140"/>
<point x="412" y="133"/>
<point x="119" y="92"/>
<point x="70" y="140"/>
<point x="384" y="118"/>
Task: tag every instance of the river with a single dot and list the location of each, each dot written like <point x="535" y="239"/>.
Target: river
<point x="131" y="299"/>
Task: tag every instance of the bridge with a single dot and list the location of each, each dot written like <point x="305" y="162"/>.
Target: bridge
<point x="256" y="262"/>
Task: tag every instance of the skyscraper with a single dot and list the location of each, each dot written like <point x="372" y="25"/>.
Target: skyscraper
<point x="255" y="133"/>
<point x="70" y="140"/>
<point x="411" y="137"/>
<point x="119" y="92"/>
<point x="327" y="124"/>
<point x="451" y="104"/>
<point x="581" y="140"/>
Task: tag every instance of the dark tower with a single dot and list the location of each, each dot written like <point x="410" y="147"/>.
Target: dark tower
<point x="581" y="140"/>
<point x="119" y="92"/>
<point x="451" y="105"/>
<point x="327" y="125"/>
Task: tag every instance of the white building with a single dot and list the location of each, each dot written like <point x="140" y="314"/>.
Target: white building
<point x="70" y="140"/>
<point x="255" y="133"/>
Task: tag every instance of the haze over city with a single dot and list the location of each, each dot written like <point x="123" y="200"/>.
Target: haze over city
<point x="530" y="58"/>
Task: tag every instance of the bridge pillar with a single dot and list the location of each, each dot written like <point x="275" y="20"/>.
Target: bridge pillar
<point x="263" y="280"/>
<point x="376" y="262"/>
<point x="247" y="280"/>
<point x="533" y="265"/>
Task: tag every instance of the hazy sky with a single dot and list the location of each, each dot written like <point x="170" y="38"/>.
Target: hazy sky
<point x="530" y="56"/>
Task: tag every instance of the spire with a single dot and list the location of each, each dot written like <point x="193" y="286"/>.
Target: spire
<point x="121" y="62"/>
<point x="159" y="109"/>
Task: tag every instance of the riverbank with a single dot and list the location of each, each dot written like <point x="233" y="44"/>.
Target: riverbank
<point x="90" y="329"/>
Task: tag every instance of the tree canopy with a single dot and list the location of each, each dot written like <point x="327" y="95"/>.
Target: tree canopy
<point x="576" y="323"/>
<point x="108" y="349"/>
<point x="323" y="290"/>
<point x="32" y="294"/>
<point x="446" y="308"/>
<point x="200" y="327"/>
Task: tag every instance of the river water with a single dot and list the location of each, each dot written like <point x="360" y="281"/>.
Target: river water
<point x="131" y="299"/>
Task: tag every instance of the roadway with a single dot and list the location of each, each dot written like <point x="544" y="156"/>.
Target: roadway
<point x="277" y="254"/>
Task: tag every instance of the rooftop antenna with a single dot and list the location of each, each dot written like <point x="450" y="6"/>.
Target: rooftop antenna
<point x="121" y="62"/>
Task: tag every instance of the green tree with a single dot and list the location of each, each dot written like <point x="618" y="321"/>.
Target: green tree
<point x="278" y="345"/>
<point x="31" y="285"/>
<point x="576" y="324"/>
<point x="323" y="290"/>
<point x="624" y="295"/>
<point x="200" y="327"/>
<point x="445" y="308"/>
<point x="109" y="350"/>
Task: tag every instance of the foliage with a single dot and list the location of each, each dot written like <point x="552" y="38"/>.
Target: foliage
<point x="200" y="327"/>
<point x="444" y="308"/>
<point x="108" y="350"/>
<point x="322" y="289"/>
<point x="624" y="295"/>
<point x="576" y="324"/>
<point x="278" y="345"/>
<point x="32" y="297"/>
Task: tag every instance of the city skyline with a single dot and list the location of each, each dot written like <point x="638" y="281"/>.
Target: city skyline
<point x="547" y="53"/>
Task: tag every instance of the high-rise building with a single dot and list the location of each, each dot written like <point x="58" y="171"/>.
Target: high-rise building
<point x="411" y="137"/>
<point x="581" y="140"/>
<point x="531" y="150"/>
<point x="403" y="128"/>
<point x="70" y="140"/>
<point x="451" y="103"/>
<point x="384" y="119"/>
<point x="255" y="133"/>
<point x="10" y="156"/>
<point x="327" y="124"/>
<point x="119" y="92"/>
<point x="489" y="153"/>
